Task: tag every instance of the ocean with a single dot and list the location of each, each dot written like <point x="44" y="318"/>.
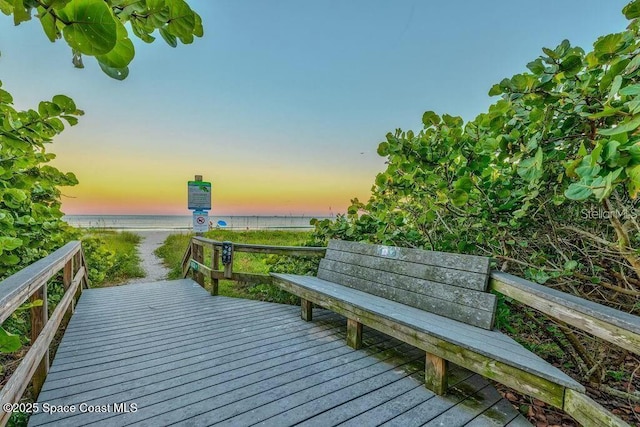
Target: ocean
<point x="185" y="222"/>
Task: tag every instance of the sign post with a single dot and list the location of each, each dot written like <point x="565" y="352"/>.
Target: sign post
<point x="199" y="201"/>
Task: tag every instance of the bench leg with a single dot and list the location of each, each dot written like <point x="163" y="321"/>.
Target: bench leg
<point x="306" y="311"/>
<point x="354" y="334"/>
<point x="436" y="374"/>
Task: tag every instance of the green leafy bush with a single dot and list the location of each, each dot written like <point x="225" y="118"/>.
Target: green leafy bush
<point x="30" y="216"/>
<point x="546" y="182"/>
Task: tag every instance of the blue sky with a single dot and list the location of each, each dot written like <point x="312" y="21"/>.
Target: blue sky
<point x="282" y="103"/>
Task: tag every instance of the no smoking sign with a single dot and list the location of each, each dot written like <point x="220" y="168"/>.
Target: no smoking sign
<point x="200" y="221"/>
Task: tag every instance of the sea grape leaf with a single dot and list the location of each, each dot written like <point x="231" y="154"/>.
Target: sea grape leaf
<point x="92" y="28"/>
<point x="123" y="51"/>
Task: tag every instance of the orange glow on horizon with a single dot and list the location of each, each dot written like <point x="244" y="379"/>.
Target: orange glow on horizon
<point x="120" y="181"/>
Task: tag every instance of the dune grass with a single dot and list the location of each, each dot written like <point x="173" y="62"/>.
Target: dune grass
<point x="113" y="256"/>
<point x="173" y="249"/>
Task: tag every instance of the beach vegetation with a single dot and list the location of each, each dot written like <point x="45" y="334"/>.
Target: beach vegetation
<point x="112" y="256"/>
<point x="98" y="28"/>
<point x="172" y="250"/>
<point x="546" y="182"/>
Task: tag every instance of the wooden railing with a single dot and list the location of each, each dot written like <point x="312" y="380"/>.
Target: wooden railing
<point x="193" y="260"/>
<point x="31" y="283"/>
<point x="611" y="325"/>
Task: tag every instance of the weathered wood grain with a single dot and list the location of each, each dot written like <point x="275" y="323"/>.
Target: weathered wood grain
<point x="612" y="325"/>
<point x="436" y="374"/>
<point x="215" y="265"/>
<point x="302" y="251"/>
<point x="439" y="273"/>
<point x="504" y="361"/>
<point x="354" y="334"/>
<point x="251" y="278"/>
<point x="198" y="256"/>
<point x="39" y="317"/>
<point x="472" y="307"/>
<point x="67" y="277"/>
<point x="186" y="258"/>
<point x="377" y="274"/>
<point x="16" y="385"/>
<point x="241" y="372"/>
<point x="588" y="412"/>
<point x="306" y="310"/>
<point x="462" y="262"/>
<point x="15" y="289"/>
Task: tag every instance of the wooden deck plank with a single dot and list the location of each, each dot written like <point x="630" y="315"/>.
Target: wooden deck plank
<point x="169" y="394"/>
<point x="242" y="343"/>
<point x="110" y="348"/>
<point x="343" y="405"/>
<point x="465" y="411"/>
<point x="211" y="393"/>
<point x="254" y="405"/>
<point x="217" y="364"/>
<point x="193" y="363"/>
<point x="403" y="403"/>
<point x="498" y="415"/>
<point x="73" y="343"/>
<point x="430" y="409"/>
<point x="389" y="409"/>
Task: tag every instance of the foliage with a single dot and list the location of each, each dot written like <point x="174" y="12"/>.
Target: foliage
<point x="546" y="181"/>
<point x="171" y="251"/>
<point x="97" y="27"/>
<point x="30" y="216"/>
<point x="111" y="257"/>
<point x="126" y="260"/>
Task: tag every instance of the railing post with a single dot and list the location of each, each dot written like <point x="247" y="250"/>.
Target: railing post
<point x="215" y="265"/>
<point x="67" y="278"/>
<point x="198" y="255"/>
<point x="39" y="317"/>
<point x="227" y="259"/>
<point x="77" y="264"/>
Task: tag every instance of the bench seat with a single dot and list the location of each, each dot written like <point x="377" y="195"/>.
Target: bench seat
<point x="488" y="352"/>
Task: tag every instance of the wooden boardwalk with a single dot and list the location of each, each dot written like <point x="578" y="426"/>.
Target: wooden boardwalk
<point x="168" y="353"/>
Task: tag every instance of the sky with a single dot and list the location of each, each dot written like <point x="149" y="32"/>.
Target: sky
<point x="282" y="103"/>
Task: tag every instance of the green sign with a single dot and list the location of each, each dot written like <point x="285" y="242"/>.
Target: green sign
<point x="194" y="265"/>
<point x="199" y="195"/>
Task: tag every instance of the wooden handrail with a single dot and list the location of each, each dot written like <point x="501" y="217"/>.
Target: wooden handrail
<point x="32" y="282"/>
<point x="193" y="260"/>
<point x="604" y="322"/>
<point x="614" y="326"/>
<point x="265" y="249"/>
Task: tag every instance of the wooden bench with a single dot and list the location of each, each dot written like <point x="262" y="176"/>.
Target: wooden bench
<point x="432" y="300"/>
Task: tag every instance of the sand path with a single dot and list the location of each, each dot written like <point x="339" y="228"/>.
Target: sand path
<point x="151" y="264"/>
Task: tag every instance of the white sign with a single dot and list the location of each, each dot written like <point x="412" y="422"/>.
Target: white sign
<point x="200" y="221"/>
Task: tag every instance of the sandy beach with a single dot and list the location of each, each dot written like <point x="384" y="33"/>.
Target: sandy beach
<point x="151" y="264"/>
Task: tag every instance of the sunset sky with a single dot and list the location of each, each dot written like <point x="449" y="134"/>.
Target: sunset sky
<point x="282" y="104"/>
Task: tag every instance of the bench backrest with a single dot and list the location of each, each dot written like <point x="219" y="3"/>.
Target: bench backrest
<point x="450" y="285"/>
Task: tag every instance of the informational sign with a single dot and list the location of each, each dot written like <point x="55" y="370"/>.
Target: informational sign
<point x="199" y="193"/>
<point x="200" y="221"/>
